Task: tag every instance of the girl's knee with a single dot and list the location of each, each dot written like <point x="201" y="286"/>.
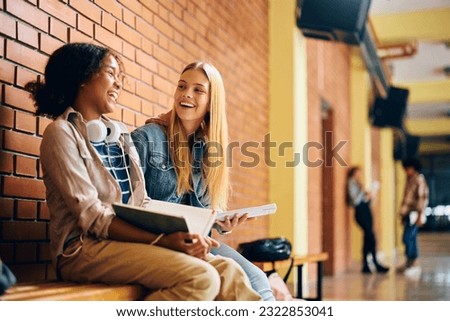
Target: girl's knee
<point x="205" y="282"/>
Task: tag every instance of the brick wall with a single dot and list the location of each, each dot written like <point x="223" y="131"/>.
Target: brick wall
<point x="157" y="38"/>
<point x="328" y="84"/>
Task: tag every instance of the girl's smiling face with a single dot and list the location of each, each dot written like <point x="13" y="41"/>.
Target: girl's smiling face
<point x="192" y="98"/>
<point x="100" y="93"/>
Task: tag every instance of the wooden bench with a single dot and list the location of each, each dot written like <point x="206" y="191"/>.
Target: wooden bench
<point x="298" y="261"/>
<point x="65" y="291"/>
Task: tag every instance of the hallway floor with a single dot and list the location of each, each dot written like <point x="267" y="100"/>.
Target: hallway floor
<point x="430" y="283"/>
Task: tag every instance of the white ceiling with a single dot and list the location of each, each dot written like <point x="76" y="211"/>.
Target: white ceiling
<point x="431" y="57"/>
<point x="426" y="65"/>
<point x="397" y="6"/>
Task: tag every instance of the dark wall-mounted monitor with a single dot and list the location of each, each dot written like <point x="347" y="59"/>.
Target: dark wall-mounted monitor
<point x="334" y="20"/>
<point x="390" y="112"/>
<point x="407" y="146"/>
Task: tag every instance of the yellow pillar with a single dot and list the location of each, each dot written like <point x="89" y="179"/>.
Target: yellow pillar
<point x="288" y="124"/>
<point x="360" y="134"/>
<point x="388" y="209"/>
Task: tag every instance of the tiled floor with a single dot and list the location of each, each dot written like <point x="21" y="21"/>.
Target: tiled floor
<point x="432" y="283"/>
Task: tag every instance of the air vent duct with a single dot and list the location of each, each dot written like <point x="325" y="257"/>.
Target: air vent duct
<point x="374" y="65"/>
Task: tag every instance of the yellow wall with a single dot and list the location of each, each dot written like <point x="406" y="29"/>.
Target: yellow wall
<point x="388" y="212"/>
<point x="288" y="123"/>
<point x="360" y="134"/>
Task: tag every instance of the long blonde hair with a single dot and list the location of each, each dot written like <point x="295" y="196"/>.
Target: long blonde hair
<point x="214" y="129"/>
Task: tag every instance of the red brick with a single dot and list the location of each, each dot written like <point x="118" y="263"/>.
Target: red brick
<point x="128" y="117"/>
<point x="129" y="51"/>
<point x="76" y="36"/>
<point x="146" y="92"/>
<point x="49" y="44"/>
<point x="44" y="214"/>
<point x="107" y="38"/>
<point x="6" y="204"/>
<point x="116" y="114"/>
<point x="25" y="56"/>
<point x="40" y="172"/>
<point x="163" y="85"/>
<point x="2" y="47"/>
<point x="110" y="6"/>
<point x="130" y="101"/>
<point x="140" y="119"/>
<point x="128" y="34"/>
<point x="7" y="252"/>
<point x="177" y="51"/>
<point x="43" y="122"/>
<point x="8" y="25"/>
<point x="163" y="10"/>
<point x="23" y="187"/>
<point x="22" y="143"/>
<point x="6" y="162"/>
<point x="50" y="272"/>
<point x="129" y="18"/>
<point x="58" y="10"/>
<point x="26" y="209"/>
<point x="147" y="15"/>
<point x="29" y="13"/>
<point x="28" y="35"/>
<point x="26" y="252"/>
<point x="44" y="252"/>
<point x="163" y="26"/>
<point x="23" y="231"/>
<point x="151" y="4"/>
<point x="134" y="6"/>
<point x="146" y="61"/>
<point x="147" y="30"/>
<point x="18" y="98"/>
<point x="25" y="122"/>
<point x="131" y="68"/>
<point x="59" y="29"/>
<point x="176" y="22"/>
<point x="88" y="9"/>
<point x="85" y="25"/>
<point x="177" y="10"/>
<point x="163" y="56"/>
<point x="6" y="117"/>
<point x="24" y="76"/>
<point x="129" y="85"/>
<point x="108" y="21"/>
<point x="29" y="272"/>
<point x="26" y="166"/>
<point x="163" y="42"/>
<point x="147" y="46"/>
<point x="147" y="76"/>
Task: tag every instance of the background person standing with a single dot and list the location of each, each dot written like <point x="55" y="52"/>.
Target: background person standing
<point x="360" y="200"/>
<point x="412" y="211"/>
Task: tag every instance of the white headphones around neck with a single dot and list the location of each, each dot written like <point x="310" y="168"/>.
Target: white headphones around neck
<point x="99" y="131"/>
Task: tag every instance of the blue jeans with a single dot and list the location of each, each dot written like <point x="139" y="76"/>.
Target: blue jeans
<point x="410" y="240"/>
<point x="258" y="279"/>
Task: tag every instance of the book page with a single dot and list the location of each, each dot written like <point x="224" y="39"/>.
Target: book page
<point x="251" y="211"/>
<point x="168" y="217"/>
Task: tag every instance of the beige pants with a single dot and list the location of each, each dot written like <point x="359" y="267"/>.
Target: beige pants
<point x="173" y="276"/>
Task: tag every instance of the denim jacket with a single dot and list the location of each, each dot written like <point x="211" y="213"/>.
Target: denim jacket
<point x="152" y="145"/>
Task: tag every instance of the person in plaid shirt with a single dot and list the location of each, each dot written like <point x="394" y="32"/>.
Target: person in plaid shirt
<point x="412" y="212"/>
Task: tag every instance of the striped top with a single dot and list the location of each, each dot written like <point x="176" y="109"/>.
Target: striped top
<point x="117" y="163"/>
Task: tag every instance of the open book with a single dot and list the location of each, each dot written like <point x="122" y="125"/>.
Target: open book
<point x="165" y="217"/>
<point x="251" y="211"/>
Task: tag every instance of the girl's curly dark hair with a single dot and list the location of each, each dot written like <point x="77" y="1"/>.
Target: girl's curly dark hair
<point x="67" y="69"/>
